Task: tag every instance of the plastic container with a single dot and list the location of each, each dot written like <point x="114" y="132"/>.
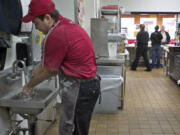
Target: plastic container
<point x="112" y="49"/>
<point x="111" y="89"/>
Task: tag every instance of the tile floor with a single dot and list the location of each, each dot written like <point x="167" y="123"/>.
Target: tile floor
<point x="152" y="107"/>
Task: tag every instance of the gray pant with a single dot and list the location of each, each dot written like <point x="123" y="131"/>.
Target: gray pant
<point x="78" y="101"/>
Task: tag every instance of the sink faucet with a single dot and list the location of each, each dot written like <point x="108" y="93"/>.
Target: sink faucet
<point x="23" y="69"/>
<point x="15" y="66"/>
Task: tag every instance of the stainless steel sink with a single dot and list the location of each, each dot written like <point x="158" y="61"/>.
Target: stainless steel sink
<point x="7" y="84"/>
<point x="11" y="97"/>
<point x="25" y="105"/>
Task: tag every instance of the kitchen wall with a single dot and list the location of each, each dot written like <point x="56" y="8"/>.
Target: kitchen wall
<point x="146" y="5"/>
<point x="89" y="13"/>
<point x="66" y="8"/>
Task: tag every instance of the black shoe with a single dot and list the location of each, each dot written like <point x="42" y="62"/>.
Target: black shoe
<point x="148" y="70"/>
<point x="133" y="69"/>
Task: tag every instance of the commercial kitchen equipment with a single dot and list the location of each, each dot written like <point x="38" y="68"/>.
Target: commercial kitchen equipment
<point x="112" y="69"/>
<point x="173" y="62"/>
<point x="112" y="84"/>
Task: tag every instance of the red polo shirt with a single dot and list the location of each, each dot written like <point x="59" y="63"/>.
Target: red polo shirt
<point x="68" y="46"/>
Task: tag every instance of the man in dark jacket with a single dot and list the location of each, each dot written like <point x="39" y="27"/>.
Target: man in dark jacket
<point x="156" y="38"/>
<point x="165" y="35"/>
<point x="142" y="39"/>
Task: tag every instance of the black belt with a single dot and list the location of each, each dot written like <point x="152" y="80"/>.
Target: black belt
<point x="97" y="77"/>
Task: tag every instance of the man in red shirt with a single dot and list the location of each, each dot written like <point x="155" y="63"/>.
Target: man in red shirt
<point x="68" y="52"/>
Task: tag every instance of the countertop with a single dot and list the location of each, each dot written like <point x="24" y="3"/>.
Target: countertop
<point x="110" y="61"/>
<point x="149" y="45"/>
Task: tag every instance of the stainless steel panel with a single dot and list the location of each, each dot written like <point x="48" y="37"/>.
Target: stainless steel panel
<point x="109" y="71"/>
<point x="107" y="61"/>
<point x="176" y="67"/>
<point x="34" y="105"/>
<point x="41" y="104"/>
<point x="10" y="94"/>
<point x="111" y="89"/>
<point x="99" y="29"/>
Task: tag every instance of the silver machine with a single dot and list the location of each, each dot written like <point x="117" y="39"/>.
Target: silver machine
<point x="111" y="64"/>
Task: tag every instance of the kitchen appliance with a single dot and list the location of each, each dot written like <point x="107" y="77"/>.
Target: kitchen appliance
<point x="110" y="66"/>
<point x="24" y="52"/>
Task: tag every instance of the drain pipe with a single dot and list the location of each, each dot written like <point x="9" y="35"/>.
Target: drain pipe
<point x="32" y="124"/>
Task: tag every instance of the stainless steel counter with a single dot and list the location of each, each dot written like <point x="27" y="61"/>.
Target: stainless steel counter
<point x="24" y="105"/>
<point x="110" y="61"/>
<point x="40" y="105"/>
<point x="112" y="71"/>
<point x="10" y="95"/>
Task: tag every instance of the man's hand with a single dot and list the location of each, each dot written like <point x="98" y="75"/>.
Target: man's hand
<point x="27" y="91"/>
<point x="38" y="75"/>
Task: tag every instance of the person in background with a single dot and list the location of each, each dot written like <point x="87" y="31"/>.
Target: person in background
<point x="166" y="37"/>
<point x="142" y="39"/>
<point x="68" y="52"/>
<point x="156" y="38"/>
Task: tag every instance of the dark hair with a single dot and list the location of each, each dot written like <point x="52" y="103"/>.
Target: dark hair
<point x="54" y="15"/>
<point x="142" y="26"/>
<point x="156" y="27"/>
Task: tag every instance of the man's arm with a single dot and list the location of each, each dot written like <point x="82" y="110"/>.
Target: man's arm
<point x="160" y="36"/>
<point x="138" y="37"/>
<point x="147" y="37"/>
<point x="151" y="37"/>
<point x="168" y="37"/>
<point x="39" y="74"/>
